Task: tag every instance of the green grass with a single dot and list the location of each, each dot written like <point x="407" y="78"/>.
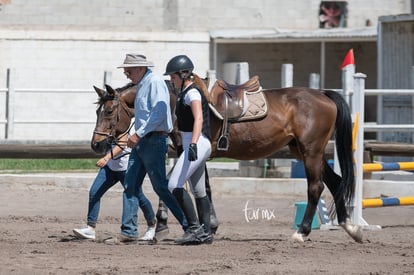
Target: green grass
<point x="58" y="165"/>
<point x="46" y="165"/>
<point x="223" y="160"/>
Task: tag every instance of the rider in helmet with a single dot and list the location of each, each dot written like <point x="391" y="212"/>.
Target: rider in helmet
<point x="193" y="123"/>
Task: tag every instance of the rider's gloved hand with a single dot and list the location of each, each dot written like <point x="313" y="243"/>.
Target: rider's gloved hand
<point x="192" y="152"/>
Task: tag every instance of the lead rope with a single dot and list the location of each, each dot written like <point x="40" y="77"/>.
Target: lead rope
<point x="121" y="145"/>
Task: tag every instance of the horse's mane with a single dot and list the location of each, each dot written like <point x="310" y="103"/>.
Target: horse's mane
<point x="127" y="86"/>
<point x="108" y="96"/>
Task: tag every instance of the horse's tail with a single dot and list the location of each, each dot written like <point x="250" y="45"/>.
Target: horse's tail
<point x="343" y="141"/>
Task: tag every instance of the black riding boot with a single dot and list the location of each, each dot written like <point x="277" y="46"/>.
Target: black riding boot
<point x="194" y="231"/>
<point x="213" y="217"/>
<point x="161" y="230"/>
<point x="203" y="210"/>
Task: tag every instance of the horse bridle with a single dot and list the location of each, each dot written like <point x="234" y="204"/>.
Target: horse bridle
<point x="111" y="137"/>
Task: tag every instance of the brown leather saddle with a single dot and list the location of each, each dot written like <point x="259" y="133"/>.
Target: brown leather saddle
<point x="231" y="103"/>
<point x="230" y="100"/>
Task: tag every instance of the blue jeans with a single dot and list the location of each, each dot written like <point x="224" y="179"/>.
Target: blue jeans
<point x="147" y="157"/>
<point x="105" y="179"/>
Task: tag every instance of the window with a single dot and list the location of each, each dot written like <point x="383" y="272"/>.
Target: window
<point x="332" y="14"/>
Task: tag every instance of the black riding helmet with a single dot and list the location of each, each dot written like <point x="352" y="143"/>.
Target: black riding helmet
<point x="181" y="64"/>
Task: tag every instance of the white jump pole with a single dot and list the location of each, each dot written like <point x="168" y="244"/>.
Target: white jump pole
<point x="358" y="104"/>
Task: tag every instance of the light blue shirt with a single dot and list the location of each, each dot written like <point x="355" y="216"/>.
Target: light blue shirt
<point x="152" y="105"/>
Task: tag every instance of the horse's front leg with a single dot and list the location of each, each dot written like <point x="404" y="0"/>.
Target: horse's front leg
<point x="315" y="188"/>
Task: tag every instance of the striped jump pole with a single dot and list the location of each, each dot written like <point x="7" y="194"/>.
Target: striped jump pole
<point x="388" y="166"/>
<point x="387" y="201"/>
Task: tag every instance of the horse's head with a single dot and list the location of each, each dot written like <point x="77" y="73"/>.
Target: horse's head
<point x="113" y="116"/>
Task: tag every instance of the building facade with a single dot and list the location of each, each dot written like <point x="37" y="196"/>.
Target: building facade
<point x="69" y="44"/>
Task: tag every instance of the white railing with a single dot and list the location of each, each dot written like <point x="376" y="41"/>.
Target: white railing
<point x="9" y="94"/>
<point x="358" y="108"/>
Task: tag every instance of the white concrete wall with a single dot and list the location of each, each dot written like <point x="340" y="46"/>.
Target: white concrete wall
<point x="188" y="15"/>
<point x="74" y="59"/>
<point x="77" y="60"/>
<point x="68" y="44"/>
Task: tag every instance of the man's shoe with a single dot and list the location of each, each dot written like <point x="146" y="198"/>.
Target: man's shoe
<point x="121" y="239"/>
<point x="85" y="233"/>
<point x="149" y="234"/>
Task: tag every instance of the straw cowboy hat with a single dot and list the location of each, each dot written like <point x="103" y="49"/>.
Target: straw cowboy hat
<point x="136" y="60"/>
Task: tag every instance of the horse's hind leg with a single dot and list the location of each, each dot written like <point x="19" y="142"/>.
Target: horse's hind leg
<point x="315" y="188"/>
<point x="213" y="216"/>
<point x="332" y="181"/>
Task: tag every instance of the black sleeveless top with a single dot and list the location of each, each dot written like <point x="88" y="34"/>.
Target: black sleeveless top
<point x="185" y="119"/>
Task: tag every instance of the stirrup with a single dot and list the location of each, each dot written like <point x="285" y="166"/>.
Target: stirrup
<point x="223" y="143"/>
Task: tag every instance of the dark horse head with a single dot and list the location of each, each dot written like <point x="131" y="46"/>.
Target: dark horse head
<point x="113" y="116"/>
<point x="114" y="113"/>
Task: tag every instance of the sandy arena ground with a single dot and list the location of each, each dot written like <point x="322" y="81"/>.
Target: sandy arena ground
<point x="36" y="223"/>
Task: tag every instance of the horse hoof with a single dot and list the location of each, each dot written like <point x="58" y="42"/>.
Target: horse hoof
<point x="353" y="230"/>
<point x="162" y="234"/>
<point x="298" y="237"/>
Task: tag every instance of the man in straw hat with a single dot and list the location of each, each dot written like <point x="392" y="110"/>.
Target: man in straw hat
<point x="149" y="145"/>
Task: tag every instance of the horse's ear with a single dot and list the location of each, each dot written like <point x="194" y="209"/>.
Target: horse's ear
<point x="99" y="91"/>
<point x="109" y="90"/>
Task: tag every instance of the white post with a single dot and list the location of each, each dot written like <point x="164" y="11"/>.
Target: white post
<point x="10" y="103"/>
<point x="242" y="72"/>
<point x="358" y="112"/>
<point x="348" y="84"/>
<point x="287" y="75"/>
<point x="107" y="78"/>
<point x="236" y="72"/>
<point x="314" y="81"/>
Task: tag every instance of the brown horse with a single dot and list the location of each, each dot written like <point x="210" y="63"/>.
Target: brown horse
<point x="303" y="119"/>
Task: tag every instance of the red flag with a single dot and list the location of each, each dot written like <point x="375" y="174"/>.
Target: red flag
<point x="349" y="59"/>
